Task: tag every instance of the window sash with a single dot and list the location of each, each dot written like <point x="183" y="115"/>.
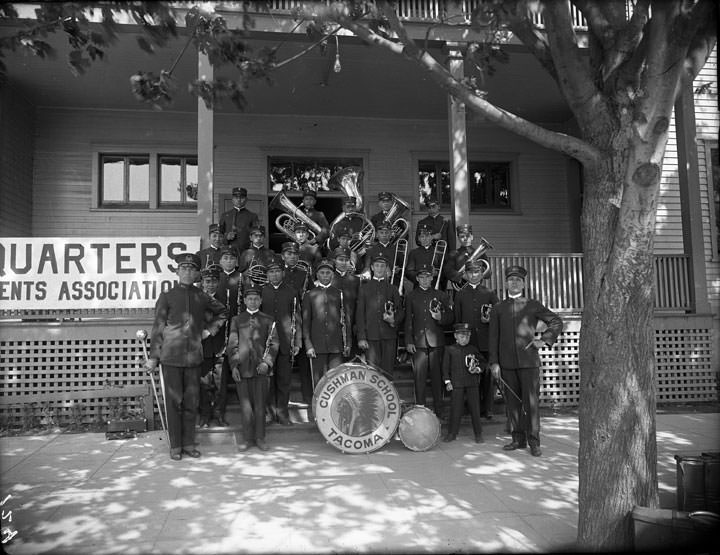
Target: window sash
<point x="125" y="180"/>
<point x="177" y="176"/>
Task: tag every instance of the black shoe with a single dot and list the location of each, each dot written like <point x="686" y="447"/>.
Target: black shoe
<point x="262" y="445"/>
<point x="535" y="450"/>
<point x="176" y="456"/>
<point x="194" y="453"/>
<point x="448" y="438"/>
<point x="284" y="420"/>
<point x="222" y="422"/>
<point x="514" y="445"/>
<point x="479" y="439"/>
<point x="204" y="423"/>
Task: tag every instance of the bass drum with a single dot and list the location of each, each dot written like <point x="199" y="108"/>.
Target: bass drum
<point x="419" y="429"/>
<point x="356" y="407"/>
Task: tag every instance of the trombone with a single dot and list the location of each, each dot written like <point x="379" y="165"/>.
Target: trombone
<point x="438" y="259"/>
<point x="401" y="248"/>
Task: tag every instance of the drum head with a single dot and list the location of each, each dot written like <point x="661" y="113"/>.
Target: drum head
<point x="357" y="408"/>
<point x="419" y="429"/>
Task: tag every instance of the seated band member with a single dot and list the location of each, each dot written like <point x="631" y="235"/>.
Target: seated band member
<point x="257" y="253"/>
<point x="282" y="301"/>
<point x="235" y="224"/>
<point x="385" y="201"/>
<point x="308" y="206"/>
<point x="422" y="255"/>
<point x="252" y="347"/>
<point x="457" y="258"/>
<point x="427" y="310"/>
<point x="379" y="314"/>
<point x="472" y="305"/>
<point x="213" y="352"/>
<point x="211" y="254"/>
<point x="184" y="316"/>
<point x="440" y="227"/>
<point x="326" y="335"/>
<point x="513" y="348"/>
<point x="462" y="379"/>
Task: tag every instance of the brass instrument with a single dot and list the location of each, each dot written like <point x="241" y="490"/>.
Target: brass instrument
<point x="475" y="255"/>
<point x="401" y="248"/>
<point x="303" y="265"/>
<point x="343" y="325"/>
<point x="473" y="364"/>
<point x="347" y="180"/>
<point x="389" y="308"/>
<point x="257" y="273"/>
<point x="435" y="305"/>
<point x="268" y="342"/>
<point x="438" y="259"/>
<point x="293" y="215"/>
<point x="293" y="329"/>
<point x="485" y="313"/>
<point x="400" y="226"/>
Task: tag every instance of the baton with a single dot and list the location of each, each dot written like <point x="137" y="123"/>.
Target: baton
<point x="510" y="389"/>
<point x="142" y="336"/>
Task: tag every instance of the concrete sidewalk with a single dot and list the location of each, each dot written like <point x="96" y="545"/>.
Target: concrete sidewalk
<point x="80" y="493"/>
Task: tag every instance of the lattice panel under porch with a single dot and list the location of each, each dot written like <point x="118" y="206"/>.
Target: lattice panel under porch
<point x="684" y="365"/>
<point x="560" y="382"/>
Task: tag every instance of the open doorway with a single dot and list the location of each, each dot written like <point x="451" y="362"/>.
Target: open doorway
<point x="329" y="204"/>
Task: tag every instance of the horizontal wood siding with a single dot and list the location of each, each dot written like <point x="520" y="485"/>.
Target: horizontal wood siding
<point x="16" y="163"/>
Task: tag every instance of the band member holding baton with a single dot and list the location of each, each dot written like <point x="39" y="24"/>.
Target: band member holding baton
<point x="252" y="348"/>
<point x="184" y="316"/>
<point x="513" y="347"/>
<point x="462" y="367"/>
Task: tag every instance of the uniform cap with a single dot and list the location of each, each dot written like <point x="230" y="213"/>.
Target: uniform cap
<point x="518" y="271"/>
<point x="383" y="225"/>
<point x="325" y="263"/>
<point x="424" y="228"/>
<point x="227" y="249"/>
<point x="462" y="327"/>
<point x="257" y="229"/>
<point x="425" y="269"/>
<point x="380" y="258"/>
<point x="188" y="258"/>
<point x="341" y="251"/>
<point x="475" y="265"/>
<point x="345" y="233"/>
<point x="463" y="228"/>
<point x="310" y="193"/>
<point x="385" y="196"/>
<point x="290" y="246"/>
<point x="252" y="291"/>
<point x="300" y="227"/>
<point x="349" y="199"/>
<point x="212" y="271"/>
<point x="431" y="202"/>
<point x="274" y="264"/>
<point x="239" y="192"/>
<point x="213" y="228"/>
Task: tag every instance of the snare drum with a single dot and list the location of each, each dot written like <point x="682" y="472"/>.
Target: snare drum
<point x="419" y="429"/>
<point x="356" y="407"/>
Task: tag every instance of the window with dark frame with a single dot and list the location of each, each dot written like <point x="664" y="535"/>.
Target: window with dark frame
<point x="304" y="173"/>
<point x="178" y="181"/>
<point x="125" y="180"/>
<point x="489" y="184"/>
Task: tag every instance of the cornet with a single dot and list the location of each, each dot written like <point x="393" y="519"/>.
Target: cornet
<point x="435" y="305"/>
<point x="485" y="313"/>
<point x="473" y="364"/>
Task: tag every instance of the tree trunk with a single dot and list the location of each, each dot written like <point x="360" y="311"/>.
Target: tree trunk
<point x="617" y="386"/>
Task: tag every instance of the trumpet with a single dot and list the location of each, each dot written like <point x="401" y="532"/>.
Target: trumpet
<point x="435" y="305"/>
<point x="473" y="364"/>
<point x="485" y="313"/>
<point x="401" y="248"/>
<point x="438" y="259"/>
<point x="293" y="216"/>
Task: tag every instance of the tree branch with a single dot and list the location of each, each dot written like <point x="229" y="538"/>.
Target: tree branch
<point x="524" y="29"/>
<point x="626" y="40"/>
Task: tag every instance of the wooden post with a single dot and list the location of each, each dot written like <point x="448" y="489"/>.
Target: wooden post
<point x="457" y="131"/>
<point x="205" y="149"/>
<point x="688" y="175"/>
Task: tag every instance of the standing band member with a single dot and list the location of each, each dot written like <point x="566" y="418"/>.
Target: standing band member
<point x="473" y="304"/>
<point x="184" y="316"/>
<point x="235" y="224"/>
<point x="349" y="284"/>
<point x="351" y="223"/>
<point x="211" y="254"/>
<point x="440" y="228"/>
<point x="383" y="246"/>
<point x="457" y="258"/>
<point x="257" y="252"/>
<point x="213" y="352"/>
<point x="379" y="313"/>
<point x="422" y="255"/>
<point x="281" y="301"/>
<point x="252" y="348"/>
<point x="514" y="349"/>
<point x="462" y="367"/>
<point x="426" y="312"/>
<point x="385" y="201"/>
<point x="308" y="252"/>
<point x="294" y="274"/>
<point x="326" y="334"/>
<point x="308" y="206"/>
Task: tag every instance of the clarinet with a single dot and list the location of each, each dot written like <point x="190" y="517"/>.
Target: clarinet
<point x="293" y="329"/>
<point x="343" y="326"/>
<point x="267" y="345"/>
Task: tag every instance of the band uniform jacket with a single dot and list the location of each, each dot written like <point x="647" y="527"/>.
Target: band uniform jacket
<point x="320" y="219"/>
<point x="512" y="327"/>
<point x="440" y="225"/>
<point x="262" y="256"/>
<point x="229" y="291"/>
<point x="215" y="344"/>
<point x="181" y="314"/>
<point x="377" y="249"/>
<point x="278" y="303"/>
<point x="209" y="256"/>
<point x="248" y="342"/>
<point x="321" y="324"/>
<point x="372" y="297"/>
<point x="456" y="260"/>
<point x="310" y="253"/>
<point x="455" y="369"/>
<point x="468" y="307"/>
<point x="417" y="258"/>
<point x="298" y="278"/>
<point x="239" y="221"/>
<point x="421" y="329"/>
<point x="350" y="286"/>
<point x="352" y="222"/>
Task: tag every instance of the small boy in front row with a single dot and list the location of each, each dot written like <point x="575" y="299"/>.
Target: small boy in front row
<point x="461" y="369"/>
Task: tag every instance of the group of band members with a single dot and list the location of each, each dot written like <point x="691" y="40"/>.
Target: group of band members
<point x="316" y="309"/>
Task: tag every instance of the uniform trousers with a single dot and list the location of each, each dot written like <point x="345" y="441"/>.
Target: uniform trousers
<point x="221" y="399"/>
<point x="486" y="390"/>
<point x="382" y="353"/>
<point x="306" y="386"/>
<point x="457" y="401"/>
<point x="525" y="382"/>
<point x="208" y="389"/>
<point x="428" y="361"/>
<point x="182" y="393"/>
<point x="279" y="394"/>
<point x="253" y="398"/>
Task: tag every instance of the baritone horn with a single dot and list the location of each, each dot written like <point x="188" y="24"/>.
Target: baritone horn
<point x="475" y="255"/>
<point x="348" y="181"/>
<point x="292" y="216"/>
<point x="399" y="225"/>
<point x="438" y="259"/>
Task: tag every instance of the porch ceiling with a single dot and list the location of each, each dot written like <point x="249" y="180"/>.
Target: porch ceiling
<point x="372" y="82"/>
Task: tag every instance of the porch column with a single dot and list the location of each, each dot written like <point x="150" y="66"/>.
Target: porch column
<point x="457" y="131"/>
<point x="205" y="148"/>
<point x="688" y="175"/>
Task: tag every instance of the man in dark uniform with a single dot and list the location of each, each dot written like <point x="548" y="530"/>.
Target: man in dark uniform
<point x="229" y="292"/>
<point x="211" y="254"/>
<point x="513" y="347"/>
<point x="455" y="263"/>
<point x="235" y="224"/>
<point x="309" y="252"/>
<point x="343" y="239"/>
<point x="473" y="304"/>
<point x="379" y="314"/>
<point x="252" y="347"/>
<point x="383" y="246"/>
<point x="440" y="226"/>
<point x="349" y="284"/>
<point x="385" y="201"/>
<point x="462" y="381"/>
<point x="213" y="352"/>
<point x="281" y="301"/>
<point x="352" y="222"/>
<point x="296" y="276"/>
<point x="257" y="253"/>
<point x="308" y="206"/>
<point x="326" y="335"/>
<point x="427" y="310"/>
<point x="184" y="316"/>
<point x="422" y="255"/>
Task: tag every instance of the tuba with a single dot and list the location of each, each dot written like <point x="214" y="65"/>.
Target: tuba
<point x="293" y="215"/>
<point x="347" y="180"/>
<point x="400" y="226"/>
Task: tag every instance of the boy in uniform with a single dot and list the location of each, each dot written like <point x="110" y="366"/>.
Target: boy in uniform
<point x="211" y="254"/>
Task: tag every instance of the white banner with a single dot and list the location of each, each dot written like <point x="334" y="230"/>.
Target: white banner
<point x="56" y="273"/>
